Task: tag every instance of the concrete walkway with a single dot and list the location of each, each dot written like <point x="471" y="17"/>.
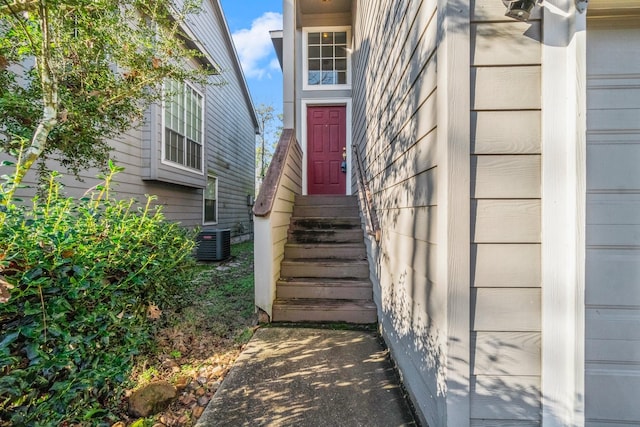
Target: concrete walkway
<point x="290" y="376"/>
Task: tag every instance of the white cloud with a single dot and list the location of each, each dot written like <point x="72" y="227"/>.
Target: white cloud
<point x="274" y="64"/>
<point x="254" y="45"/>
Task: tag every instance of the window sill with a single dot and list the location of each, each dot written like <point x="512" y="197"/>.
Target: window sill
<point x="307" y="87"/>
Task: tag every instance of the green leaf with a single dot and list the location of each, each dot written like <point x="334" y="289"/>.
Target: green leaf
<point x="34" y="273"/>
<point x="8" y="339"/>
<point x="32" y="351"/>
<point x="94" y="413"/>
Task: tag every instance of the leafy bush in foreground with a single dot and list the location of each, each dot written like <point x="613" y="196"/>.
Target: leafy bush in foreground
<point x="80" y="277"/>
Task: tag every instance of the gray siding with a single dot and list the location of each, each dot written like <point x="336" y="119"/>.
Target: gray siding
<point x="395" y="118"/>
<point x="231" y="151"/>
<point x="612" y="329"/>
<point x="394" y="131"/>
<point x="229" y="145"/>
<point x="505" y="218"/>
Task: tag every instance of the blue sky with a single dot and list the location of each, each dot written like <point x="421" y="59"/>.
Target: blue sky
<point x="249" y="22"/>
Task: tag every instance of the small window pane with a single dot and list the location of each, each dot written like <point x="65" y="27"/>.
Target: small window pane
<point x="327" y="64"/>
<point x="314" y="77"/>
<point x="180" y="157"/>
<point x="327" y="51"/>
<point x="328" y="78"/>
<point x="342" y="77"/>
<point x="341" y="64"/>
<point x="314" y="38"/>
<point x="314" y="64"/>
<point x="209" y="211"/>
<point x="314" y="51"/>
<point x="327" y="38"/>
<point x="341" y="51"/>
<point x="210" y="192"/>
<point x="341" y="37"/>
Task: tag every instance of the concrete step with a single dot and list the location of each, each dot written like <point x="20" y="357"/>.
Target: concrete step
<point x="325" y="269"/>
<point x="326" y="211"/>
<point x="325" y="236"/>
<point x="324" y="289"/>
<point x="329" y="310"/>
<point x="326" y="200"/>
<point x="324" y="223"/>
<point x="299" y="251"/>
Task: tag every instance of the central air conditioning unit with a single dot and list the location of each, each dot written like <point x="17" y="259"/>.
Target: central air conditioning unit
<point x="213" y="245"/>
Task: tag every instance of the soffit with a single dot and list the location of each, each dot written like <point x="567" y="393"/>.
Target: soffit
<point x="306" y="7"/>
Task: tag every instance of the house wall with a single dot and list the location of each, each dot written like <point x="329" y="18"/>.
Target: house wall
<point x="229" y="145"/>
<point x="399" y="109"/>
<point x="395" y="133"/>
<point x="231" y="126"/>
<point x="505" y="217"/>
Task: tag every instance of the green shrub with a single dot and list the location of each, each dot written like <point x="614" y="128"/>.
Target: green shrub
<point x="83" y="275"/>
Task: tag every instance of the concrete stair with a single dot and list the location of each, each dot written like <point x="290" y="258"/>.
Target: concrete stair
<point x="324" y="275"/>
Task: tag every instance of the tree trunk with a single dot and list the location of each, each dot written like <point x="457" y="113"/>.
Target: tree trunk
<point x="49" y="119"/>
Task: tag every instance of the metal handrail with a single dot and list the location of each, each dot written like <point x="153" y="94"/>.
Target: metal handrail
<point x="373" y="226"/>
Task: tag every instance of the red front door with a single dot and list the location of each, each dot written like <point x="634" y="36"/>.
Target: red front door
<point x="326" y="143"/>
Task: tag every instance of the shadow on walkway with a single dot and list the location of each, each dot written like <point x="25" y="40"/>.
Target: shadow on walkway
<point x="310" y="377"/>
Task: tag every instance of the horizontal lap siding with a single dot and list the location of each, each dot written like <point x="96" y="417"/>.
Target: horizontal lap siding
<point x="394" y="132"/>
<point x="229" y="126"/>
<point x="289" y="186"/>
<point x="505" y="219"/>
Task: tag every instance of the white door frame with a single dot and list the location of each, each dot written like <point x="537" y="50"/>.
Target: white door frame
<point x="309" y="102"/>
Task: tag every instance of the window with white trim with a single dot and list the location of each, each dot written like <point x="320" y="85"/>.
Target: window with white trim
<point x="183" y="125"/>
<point x="326" y="58"/>
<point x="211" y="200"/>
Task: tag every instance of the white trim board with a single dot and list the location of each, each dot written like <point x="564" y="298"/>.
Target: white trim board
<point x="563" y="213"/>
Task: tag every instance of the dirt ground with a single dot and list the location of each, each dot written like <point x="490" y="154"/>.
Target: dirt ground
<point x="196" y="346"/>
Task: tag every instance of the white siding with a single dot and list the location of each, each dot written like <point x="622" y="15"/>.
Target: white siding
<point x="612" y="377"/>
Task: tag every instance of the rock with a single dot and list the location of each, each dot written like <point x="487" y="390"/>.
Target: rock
<point x="202" y="401"/>
<point x="197" y="411"/>
<point x="151" y="399"/>
<point x="202" y="380"/>
<point x="169" y="363"/>
<point x="182" y="382"/>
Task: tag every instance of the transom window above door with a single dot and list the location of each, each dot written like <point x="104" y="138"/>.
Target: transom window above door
<point x="327" y="58"/>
